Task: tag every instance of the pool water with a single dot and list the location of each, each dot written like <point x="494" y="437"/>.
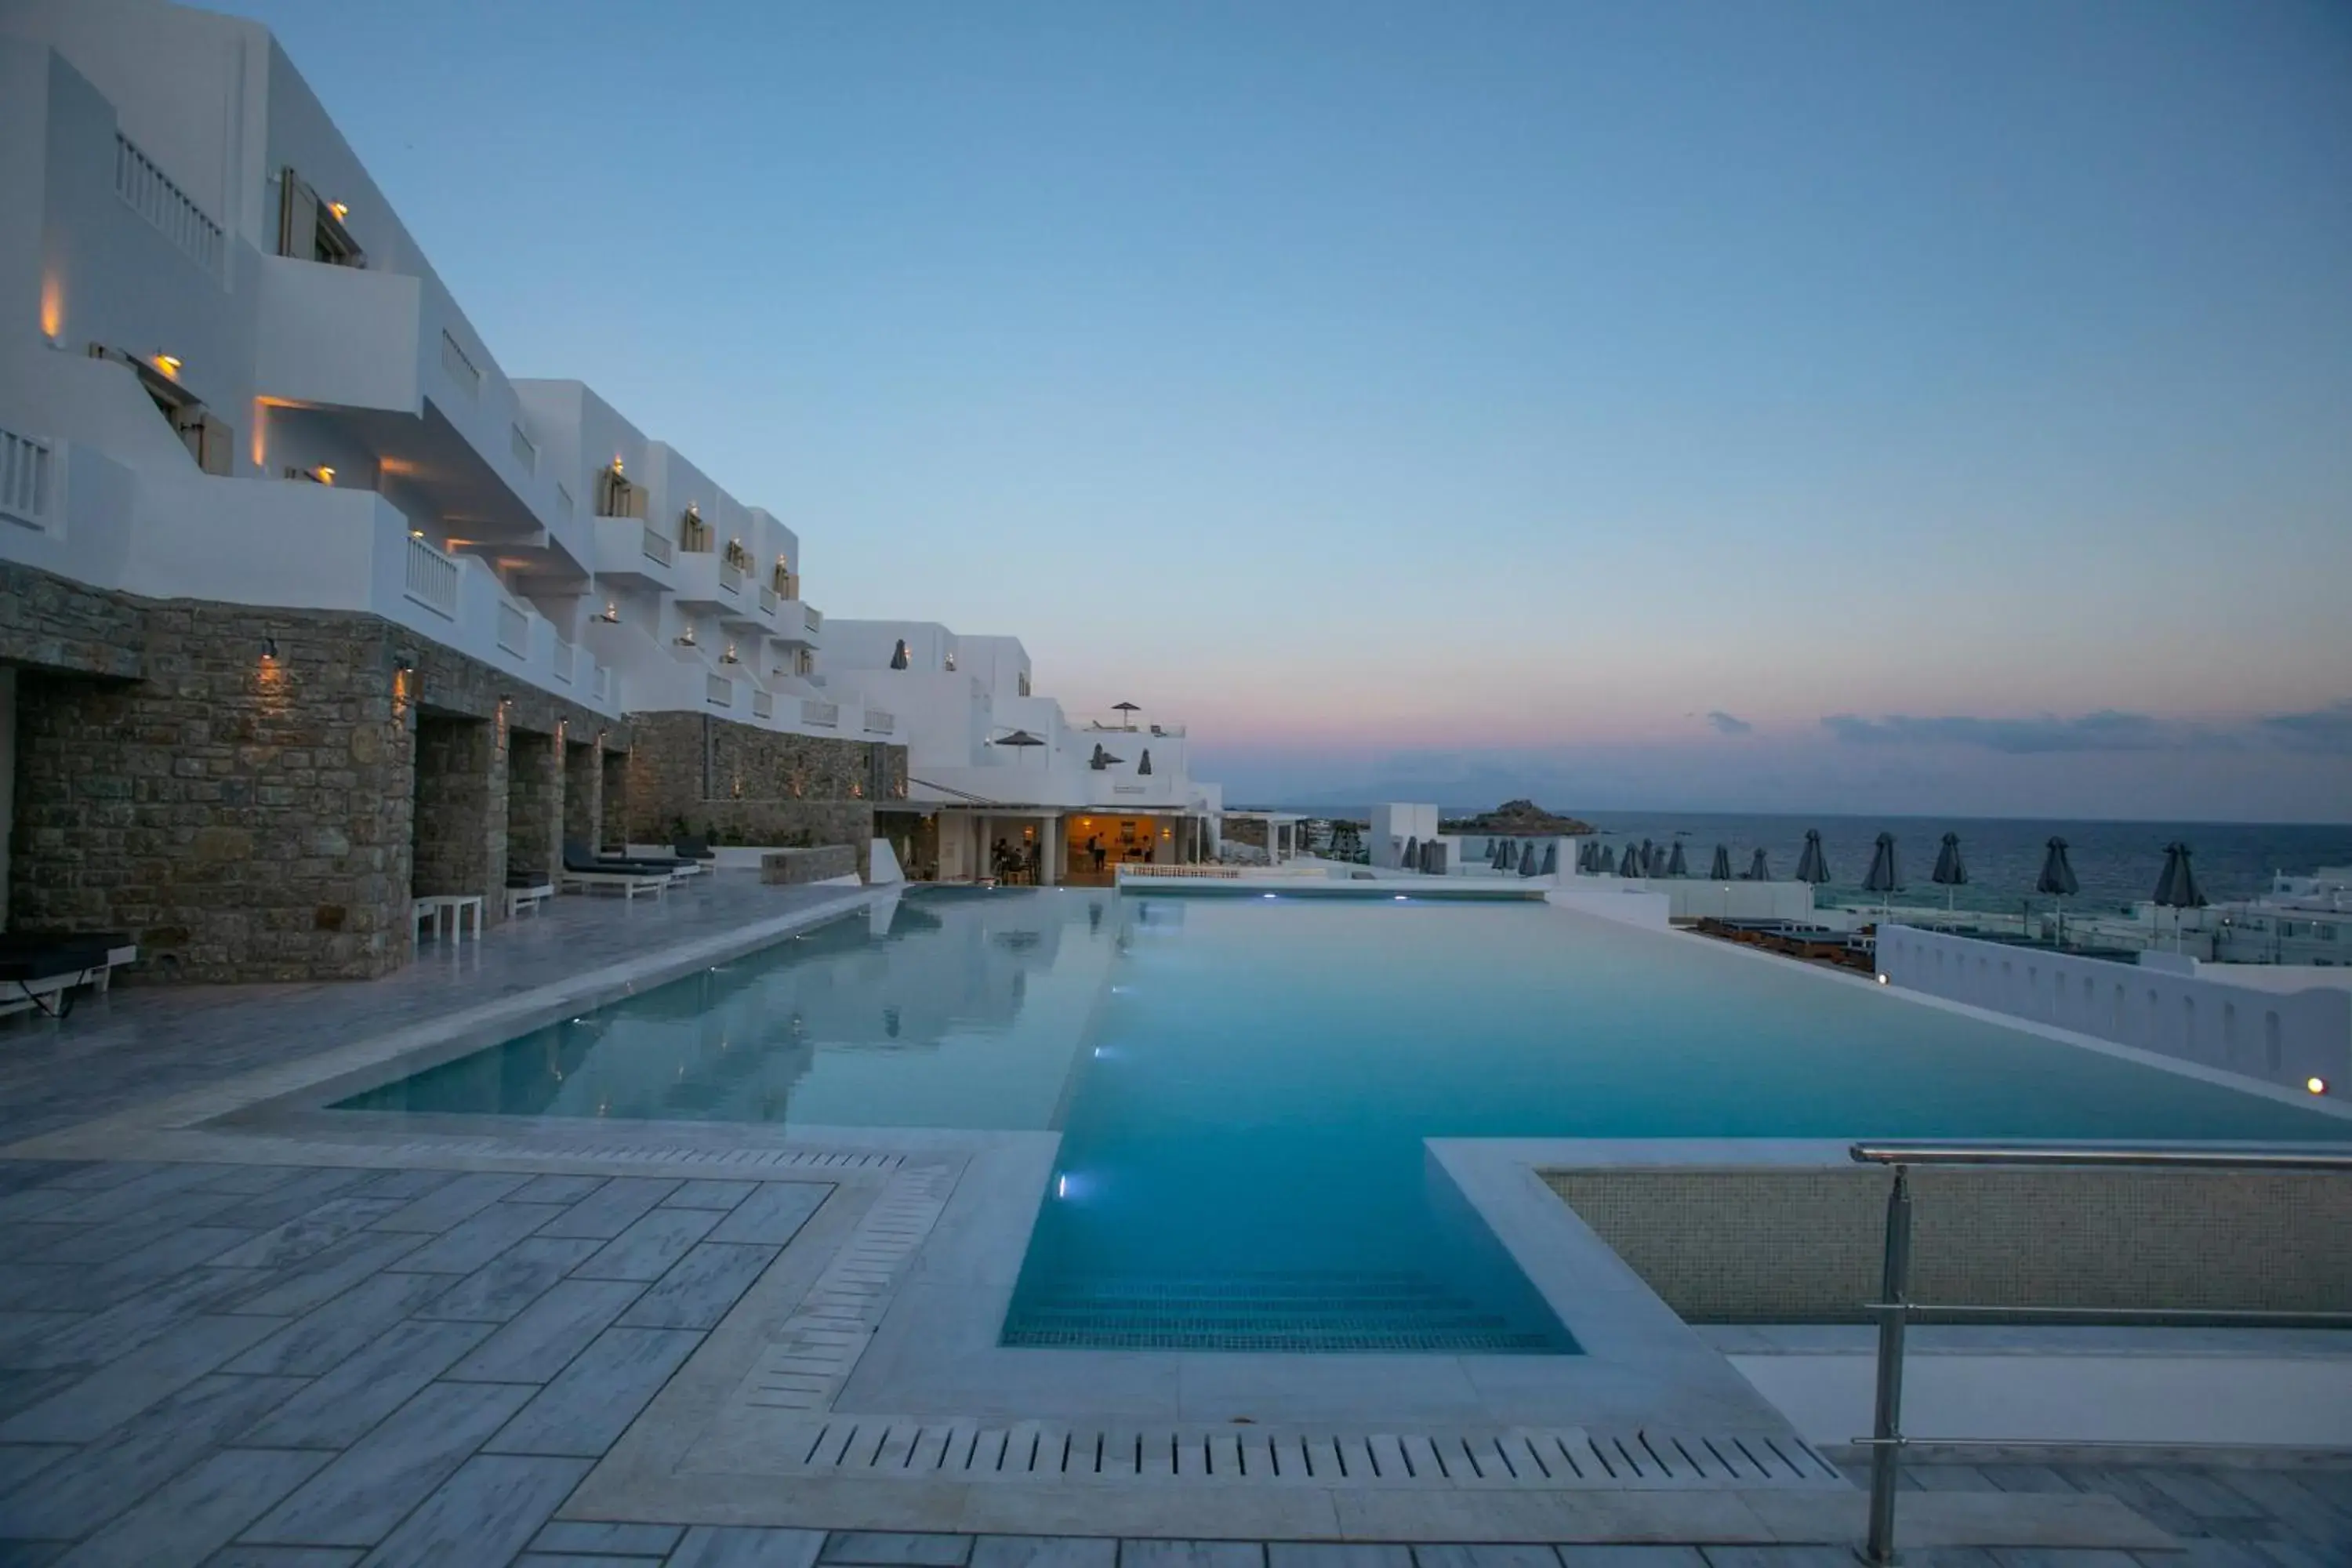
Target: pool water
<point x="1243" y="1086"/>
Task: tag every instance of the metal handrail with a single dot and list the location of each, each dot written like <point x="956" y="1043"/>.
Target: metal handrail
<point x="1895" y="1309"/>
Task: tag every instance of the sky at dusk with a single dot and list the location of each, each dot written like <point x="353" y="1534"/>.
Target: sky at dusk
<point x="1806" y="405"/>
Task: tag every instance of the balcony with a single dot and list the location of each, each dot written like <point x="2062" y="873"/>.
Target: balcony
<point x="797" y="625"/>
<point x="749" y="608"/>
<point x="634" y="553"/>
<point x="820" y="715"/>
<point x="316" y="547"/>
<point x="705" y="582"/>
<point x="878" y="722"/>
<point x="763" y="703"/>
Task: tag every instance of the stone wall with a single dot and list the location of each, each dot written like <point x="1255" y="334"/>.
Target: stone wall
<point x="535" y="804"/>
<point x="793" y="867"/>
<point x="244" y="815"/>
<point x="584" y="794"/>
<point x="755" y="785"/>
<point x="237" y="787"/>
<point x="1246" y="830"/>
<point x="59" y="624"/>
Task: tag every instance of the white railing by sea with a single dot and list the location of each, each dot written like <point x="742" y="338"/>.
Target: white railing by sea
<point x="153" y="196"/>
<point x="514" y="631"/>
<point x="823" y="714"/>
<point x="432" y="577"/>
<point x="763" y="703"/>
<point x="730" y="579"/>
<point x="657" y="546"/>
<point x="767" y="600"/>
<point x="878" y="722"/>
<point x="719" y="692"/>
<point x="25" y="479"/>
<point x="600" y="682"/>
<point x="564" y="655"/>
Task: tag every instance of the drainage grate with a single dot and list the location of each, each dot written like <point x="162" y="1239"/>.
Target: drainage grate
<point x="882" y="1447"/>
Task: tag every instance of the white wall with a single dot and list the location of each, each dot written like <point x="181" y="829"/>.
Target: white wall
<point x="2279" y="1039"/>
<point x="1392" y="824"/>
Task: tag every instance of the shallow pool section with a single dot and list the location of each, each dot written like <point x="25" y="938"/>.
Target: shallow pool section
<point x="1242" y="1086"/>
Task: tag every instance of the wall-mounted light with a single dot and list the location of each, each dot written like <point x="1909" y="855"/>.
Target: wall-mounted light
<point x="340" y="209"/>
<point x="415" y="534"/>
<point x="728" y="657"/>
<point x="506" y="699"/>
<point x="685" y="637"/>
<point x="617" y="462"/>
<point x="269" y="649"/>
<point x="404" y="662"/>
<point x="323" y="474"/>
<point x="2315" y="1084"/>
<point x="169" y="364"/>
<point x="612" y="615"/>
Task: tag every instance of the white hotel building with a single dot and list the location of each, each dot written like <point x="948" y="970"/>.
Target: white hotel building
<point x="255" y="459"/>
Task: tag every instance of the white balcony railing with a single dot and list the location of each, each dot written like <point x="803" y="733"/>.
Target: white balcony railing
<point x="763" y="703"/>
<point x="432" y="577"/>
<point x="514" y="631"/>
<point x="460" y="366"/>
<point x="767" y="600"/>
<point x="526" y="451"/>
<point x="824" y="715"/>
<point x="154" y="198"/>
<point x="730" y="579"/>
<point x="600" y="682"/>
<point x="27" y="477"/>
<point x="813" y="617"/>
<point x="719" y="692"/>
<point x="564" y="655"/>
<point x="880" y="724"/>
<point x="659" y="547"/>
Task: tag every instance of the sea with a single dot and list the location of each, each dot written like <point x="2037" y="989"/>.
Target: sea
<point x="2115" y="863"/>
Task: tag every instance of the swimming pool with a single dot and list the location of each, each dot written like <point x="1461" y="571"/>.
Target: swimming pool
<point x="1242" y="1086"/>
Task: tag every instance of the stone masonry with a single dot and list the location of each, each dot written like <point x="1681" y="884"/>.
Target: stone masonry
<point x="238" y="788"/>
<point x="535" y="785"/>
<point x="755" y="786"/>
<point x="583" y="792"/>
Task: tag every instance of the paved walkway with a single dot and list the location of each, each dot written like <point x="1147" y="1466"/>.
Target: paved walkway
<point x="254" y="1364"/>
<point x="139" y="1043"/>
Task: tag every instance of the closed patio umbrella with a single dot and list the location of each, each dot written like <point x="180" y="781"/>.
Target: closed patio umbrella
<point x="1510" y="854"/>
<point x="1411" y="858"/>
<point x="1145" y="765"/>
<point x="1757" y="871"/>
<point x="1631" y="865"/>
<point x="1949" y="871"/>
<point x="2177" y="888"/>
<point x="1720" y="871"/>
<point x="1676" y="865"/>
<point x="1587" y="854"/>
<point x="1885" y="877"/>
<point x="1551" y="859"/>
<point x="1649" y="858"/>
<point x="898" y="655"/>
<point x="2057" y="880"/>
<point x="1530" y="863"/>
<point x="1812" y="865"/>
<point x="1495" y="853"/>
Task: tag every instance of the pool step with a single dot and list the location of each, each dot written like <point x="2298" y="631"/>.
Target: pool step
<point x="1298" y="1314"/>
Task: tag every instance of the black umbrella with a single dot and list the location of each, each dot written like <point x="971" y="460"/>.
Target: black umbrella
<point x="1649" y="857"/>
<point x="1020" y="740"/>
<point x="1631" y="865"/>
<point x="1588" y="855"/>
<point x="898" y="655"/>
<point x="1949" y="872"/>
<point x="1127" y="707"/>
<point x="1530" y="863"/>
<point x="1721" y="870"/>
<point x="2177" y="888"/>
<point x="2058" y="881"/>
<point x="1757" y="871"/>
<point x="1510" y="854"/>
<point x="1676" y="865"/>
<point x="1812" y="865"/>
<point x="1495" y="853"/>
<point x="1551" y="859"/>
<point x="1885" y="876"/>
<point x="1411" y="858"/>
<point x="1145" y="765"/>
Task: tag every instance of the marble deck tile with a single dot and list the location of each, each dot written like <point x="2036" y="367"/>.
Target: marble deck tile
<point x="297" y="1240"/>
<point x="312" y="1191"/>
<point x="646" y="1250"/>
<point x="512" y="1280"/>
<point x="719" y="1546"/>
<point x="474" y="1241"/>
<point x="1483" y="1556"/>
<point x="493" y="1505"/>
<point x="555" y="1189"/>
<point x="610" y="1208"/>
<point x="192" y="1516"/>
<point x="446" y="1205"/>
<point x="1335" y="1554"/>
<point x="321" y="1340"/>
<point x="307" y="1286"/>
<point x="21" y="1390"/>
<point x="404" y="1183"/>
<point x="1751" y="1557"/>
<point x="543" y="1337"/>
<point x="357" y="1499"/>
<point x="887" y="1551"/>
<point x="1191" y="1554"/>
<point x="95" y="1404"/>
<point x="705" y="1194"/>
<point x="101" y="1337"/>
<point x="338" y="1408"/>
<point x="588" y="1406"/>
<point x="1045" y="1552"/>
<point x="79" y="1494"/>
<point x="19" y="1462"/>
<point x="775" y="1215"/>
<point x="283" y="1557"/>
<point x="700" y="1287"/>
<point x="613" y="1540"/>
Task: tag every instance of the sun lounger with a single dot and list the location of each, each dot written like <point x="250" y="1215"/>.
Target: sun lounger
<point x="41" y="974"/>
<point x="527" y="892"/>
<point x="628" y="884"/>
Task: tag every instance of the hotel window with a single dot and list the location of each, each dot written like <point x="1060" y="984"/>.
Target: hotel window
<point x="615" y="496"/>
<point x="693" y="533"/>
<point x="209" y="441"/>
<point x="311" y="230"/>
<point x="1025" y="683"/>
<point x="786" y="587"/>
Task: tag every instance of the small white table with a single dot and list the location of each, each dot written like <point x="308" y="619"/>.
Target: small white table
<point x="434" y="906"/>
<point x="521" y="898"/>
